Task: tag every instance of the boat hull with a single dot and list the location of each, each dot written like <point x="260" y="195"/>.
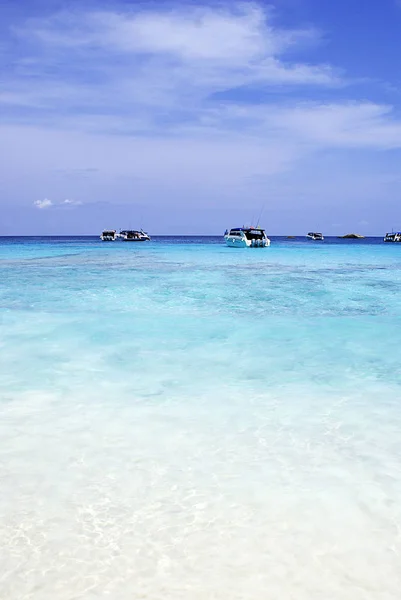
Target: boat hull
<point x="393" y="238"/>
<point x="233" y="242"/>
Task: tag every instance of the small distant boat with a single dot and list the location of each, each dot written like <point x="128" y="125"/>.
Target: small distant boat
<point x="352" y="236"/>
<point x="109" y="235"/>
<point x="132" y="235"/>
<point x="291" y="237"/>
<point x="246" y="237"/>
<point x="394" y="236"/>
<point x="317" y="237"/>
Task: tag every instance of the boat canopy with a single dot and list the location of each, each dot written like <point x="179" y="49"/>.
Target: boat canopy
<point x="255" y="230"/>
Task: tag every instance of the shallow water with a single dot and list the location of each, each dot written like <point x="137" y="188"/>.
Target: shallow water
<point x="184" y="420"/>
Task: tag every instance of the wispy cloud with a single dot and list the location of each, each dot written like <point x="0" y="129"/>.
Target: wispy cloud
<point x="162" y="65"/>
<point x="232" y="35"/>
<point x="331" y="125"/>
<point x="179" y="72"/>
<point x="71" y="202"/>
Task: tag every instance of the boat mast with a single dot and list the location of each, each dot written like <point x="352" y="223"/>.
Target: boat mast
<point x="260" y="214"/>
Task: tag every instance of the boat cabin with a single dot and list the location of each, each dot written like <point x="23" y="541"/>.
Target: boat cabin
<point x="313" y="235"/>
<point x="248" y="232"/>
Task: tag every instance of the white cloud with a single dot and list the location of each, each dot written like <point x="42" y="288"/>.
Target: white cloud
<point x="344" y="125"/>
<point x="46" y="203"/>
<point x="237" y="32"/>
<point x="148" y="61"/>
<point x="177" y="72"/>
<point x="42" y="204"/>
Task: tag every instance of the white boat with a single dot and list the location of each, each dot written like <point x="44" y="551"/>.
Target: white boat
<point x="109" y="235"/>
<point x="132" y="235"/>
<point x="394" y="236"/>
<point x="246" y="237"/>
<point x="317" y="237"/>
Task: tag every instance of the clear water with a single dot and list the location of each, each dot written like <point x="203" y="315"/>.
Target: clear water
<point x="182" y="420"/>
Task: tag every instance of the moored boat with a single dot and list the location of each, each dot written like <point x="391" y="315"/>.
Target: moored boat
<point x="317" y="237"/>
<point x="394" y="236"/>
<point x="133" y="235"/>
<point x="246" y="237"/>
<point x="108" y="235"/>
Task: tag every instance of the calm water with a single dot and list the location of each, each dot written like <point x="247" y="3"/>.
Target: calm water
<point x="180" y="420"/>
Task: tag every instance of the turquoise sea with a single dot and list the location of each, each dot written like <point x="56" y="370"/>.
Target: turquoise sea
<point x="180" y="420"/>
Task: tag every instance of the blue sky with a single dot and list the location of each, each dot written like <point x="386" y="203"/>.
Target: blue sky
<point x="188" y="117"/>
